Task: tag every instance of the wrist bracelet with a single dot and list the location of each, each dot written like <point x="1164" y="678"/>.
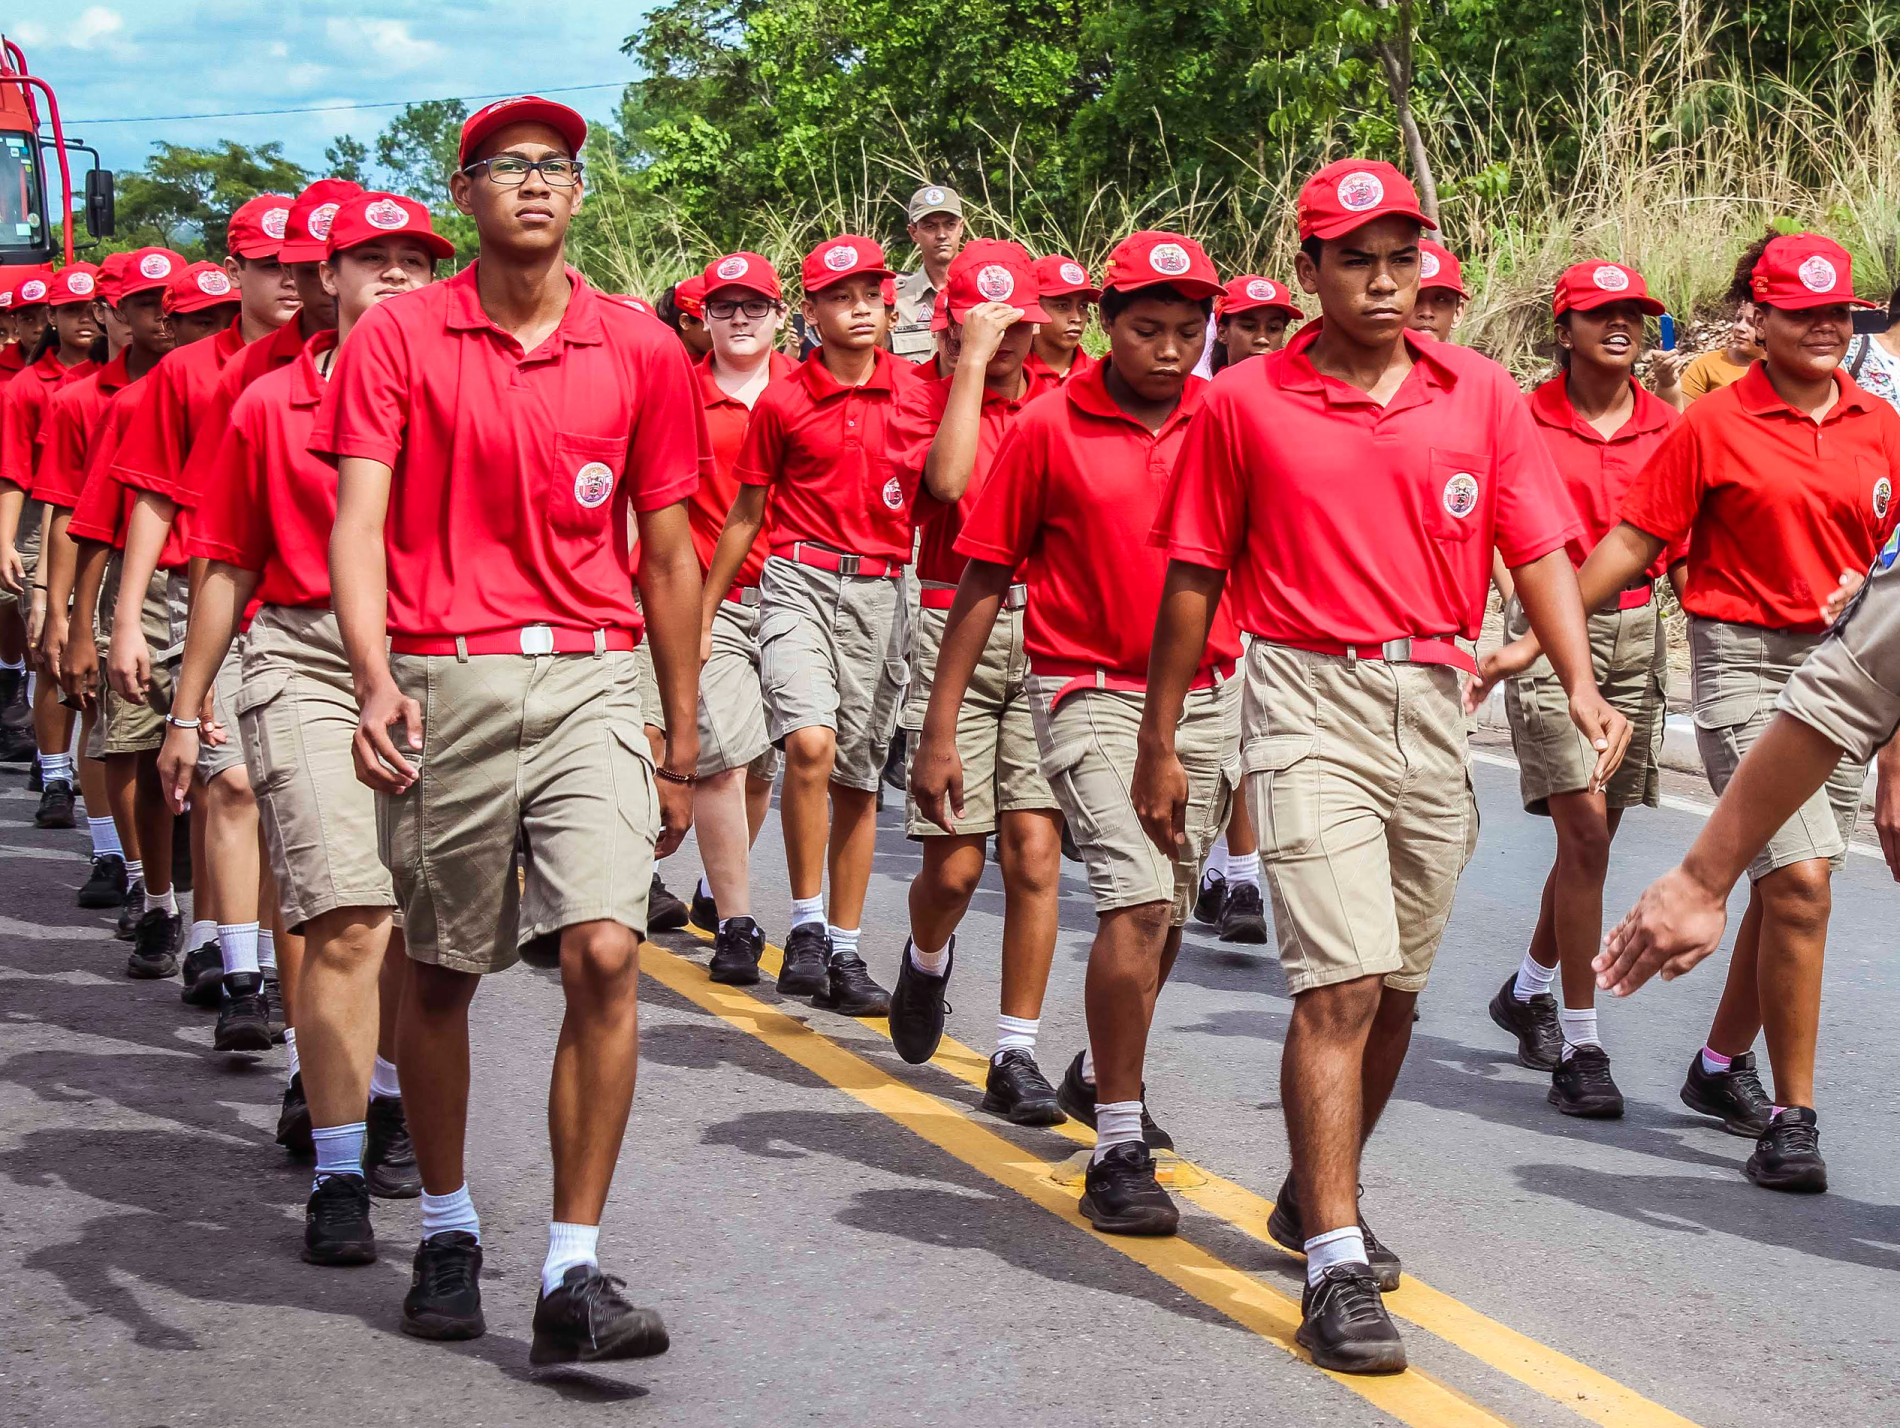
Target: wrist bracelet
<point x="178" y="723"/>
<point x="661" y="771"/>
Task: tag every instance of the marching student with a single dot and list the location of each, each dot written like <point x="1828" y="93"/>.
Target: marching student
<point x="1055" y="353"/>
<point x="1782" y="486"/>
<point x="481" y="578"/>
<point x="262" y="520"/>
<point x="1357" y="436"/>
<point x="27" y="316"/>
<point x="933" y="219"/>
<point x="737" y="763"/>
<point x="683" y="308"/>
<point x="1073" y="492"/>
<point x="1251" y="316"/>
<point x="1601" y="427"/>
<point x="829" y="598"/>
<point x="1441" y="291"/>
<point x="943" y="440"/>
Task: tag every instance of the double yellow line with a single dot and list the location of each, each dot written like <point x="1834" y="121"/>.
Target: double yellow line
<point x="1414" y="1397"/>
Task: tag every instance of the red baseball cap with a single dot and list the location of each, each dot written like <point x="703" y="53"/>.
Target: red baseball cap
<point x="989" y="270"/>
<point x="76" y="282"/>
<point x="198" y="286"/>
<point x="1350" y="193"/>
<point x="30" y="288"/>
<point x="1058" y="275"/>
<point x="307" y="233"/>
<point x="887" y="291"/>
<point x="1249" y="291"/>
<point x="1438" y="267"/>
<point x="689" y="296"/>
<point x="528" y="109"/>
<point x="1151" y="257"/>
<point x="849" y="255"/>
<point x="257" y="228"/>
<point x="1589" y="285"/>
<point x="741" y="270"/>
<point x="112" y="273"/>
<point x="1803" y="270"/>
<point x="370" y="216"/>
<point x="148" y="268"/>
<point x="10" y="277"/>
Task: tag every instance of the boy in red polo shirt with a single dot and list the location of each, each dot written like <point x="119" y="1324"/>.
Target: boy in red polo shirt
<point x="1055" y="354"/>
<point x="1357" y="436"/>
<point x="1441" y="291"/>
<point x="496" y="624"/>
<point x="1251" y="317"/>
<point x="1078" y="479"/>
<point x="829" y="607"/>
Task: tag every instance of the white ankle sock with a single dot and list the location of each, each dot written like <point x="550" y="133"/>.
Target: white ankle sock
<point x="1533" y="980"/>
<point x="1243" y="870"/>
<point x="291" y="1064"/>
<point x="201" y="933"/>
<point x="568" y="1245"/>
<point x="1017" y="1033"/>
<point x="239" y="942"/>
<point x="1579" y="1028"/>
<point x="1088" y="1065"/>
<point x="1116" y="1123"/>
<point x="1216" y="865"/>
<point x="167" y="900"/>
<point x="384" y="1083"/>
<point x="105" y="837"/>
<point x="454" y="1211"/>
<point x="56" y="766"/>
<point x="266" y="950"/>
<point x="931" y="964"/>
<point x="704" y="889"/>
<point x="1714" y="1063"/>
<point x="844" y="940"/>
<point x="1347" y="1246"/>
<point x="808" y="909"/>
<point x="339" y="1150"/>
<point x="134" y="870"/>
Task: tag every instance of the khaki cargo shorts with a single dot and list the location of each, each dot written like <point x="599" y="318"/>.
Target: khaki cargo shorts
<point x="218" y="759"/>
<point x="1630" y="658"/>
<point x="1360" y="787"/>
<point x="297" y="709"/>
<point x="1088" y="743"/>
<point x="26" y="540"/>
<point x="547" y="748"/>
<point x="828" y="659"/>
<point x="1849" y="688"/>
<point x="651" y="709"/>
<point x="732" y="733"/>
<point x="125" y="727"/>
<point x="996" y="734"/>
<point x="1736" y="674"/>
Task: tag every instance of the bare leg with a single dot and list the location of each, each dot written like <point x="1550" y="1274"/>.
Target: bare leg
<point x="1029" y="846"/>
<point x="432" y="1040"/>
<point x="725" y="840"/>
<point x="339" y="1023"/>
<point x="853" y="841"/>
<point x="1738" y="1016"/>
<point x="153" y="816"/>
<point x="591" y="1093"/>
<point x="1386" y="1045"/>
<point x="52" y="721"/>
<point x="941" y="891"/>
<point x="1796" y="901"/>
<point x="1322" y="1076"/>
<point x="389" y="985"/>
<point x="758" y="803"/>
<point x="121" y="779"/>
<point x="804" y="808"/>
<point x="1124" y="977"/>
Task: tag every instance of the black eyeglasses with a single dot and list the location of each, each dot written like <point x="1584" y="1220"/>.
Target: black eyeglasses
<point x="507" y="171"/>
<point x="754" y="308"/>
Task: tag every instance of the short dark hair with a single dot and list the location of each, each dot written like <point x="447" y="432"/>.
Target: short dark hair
<point x="1741" y="286"/>
<point x="668" y="309"/>
<point x="1115" y="302"/>
<point x="1313" y="246"/>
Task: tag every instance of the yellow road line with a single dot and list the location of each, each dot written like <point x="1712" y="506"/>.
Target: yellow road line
<point x="1413" y="1397"/>
<point x="1578" y="1387"/>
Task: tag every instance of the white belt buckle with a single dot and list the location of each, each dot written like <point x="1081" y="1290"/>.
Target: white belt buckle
<point x="537" y="639"/>
<point x="1017" y="598"/>
<point x="1396" y="651"/>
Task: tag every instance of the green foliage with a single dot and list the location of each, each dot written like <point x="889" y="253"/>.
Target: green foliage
<point x="183" y="197"/>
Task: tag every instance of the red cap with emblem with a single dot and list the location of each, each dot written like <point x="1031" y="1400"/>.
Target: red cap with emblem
<point x="112" y="273"/>
<point x="199" y="286"/>
<point x="528" y="109"/>
<point x="307" y="232"/>
<point x="372" y="216"/>
<point x="849" y="255"/>
<point x="1587" y="285"/>
<point x="257" y="228"/>
<point x="1350" y="193"/>
<point x="76" y="282"/>
<point x="689" y="296"/>
<point x="1803" y="270"/>
<point x="741" y="270"/>
<point x="148" y="268"/>
<point x="1438" y="268"/>
<point x="1249" y="291"/>
<point x="1059" y="275"/>
<point x="989" y="270"/>
<point x="10" y="276"/>
<point x="1150" y="258"/>
<point x="30" y="287"/>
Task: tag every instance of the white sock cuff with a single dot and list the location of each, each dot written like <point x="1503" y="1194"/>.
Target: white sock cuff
<point x="1017" y="1033"/>
<point x="932" y="964"/>
<point x="292" y="1064"/>
<point x="1243" y="869"/>
<point x="568" y="1245"/>
<point x="1088" y="1065"/>
<point x="808" y="909"/>
<point x="1345" y="1246"/>
<point x="453" y="1211"/>
<point x="166" y="901"/>
<point x="266" y="949"/>
<point x="843" y="939"/>
<point x="239" y="941"/>
<point x="1579" y="1027"/>
<point x="105" y="836"/>
<point x="1533" y="979"/>
<point x="1116" y="1123"/>
<point x="384" y="1083"/>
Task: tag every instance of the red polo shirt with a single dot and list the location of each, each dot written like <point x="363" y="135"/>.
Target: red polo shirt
<point x="12" y="361"/>
<point x="105" y="502"/>
<point x="1597" y="469"/>
<point x="268" y="502"/>
<point x="1073" y="491"/>
<point x="1079" y="364"/>
<point x="913" y="428"/>
<point x="24" y="406"/>
<point x="252" y="361"/>
<point x="152" y="455"/>
<point x="1774" y="507"/>
<point x="820" y="446"/>
<point x="71" y="417"/>
<point x="726" y="420"/>
<point x="1347" y="522"/>
<point x="515" y="474"/>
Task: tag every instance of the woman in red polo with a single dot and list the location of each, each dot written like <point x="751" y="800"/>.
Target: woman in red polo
<point x="1601" y="427"/>
<point x="1782" y="486"/>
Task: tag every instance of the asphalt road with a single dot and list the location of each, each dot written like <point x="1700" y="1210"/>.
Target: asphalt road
<point x="837" y="1238"/>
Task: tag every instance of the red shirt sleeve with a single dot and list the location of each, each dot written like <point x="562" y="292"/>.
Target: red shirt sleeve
<point x="1665" y="495"/>
<point x="189" y="489"/>
<point x="151" y="453"/>
<point x="16" y="440"/>
<point x="365" y="407"/>
<point x="763" y="451"/>
<point x="1533" y="514"/>
<point x="668" y="451"/>
<point x="1004" y="525"/>
<point x="100" y="509"/>
<point x="62" y="469"/>
<point x="912" y="427"/>
<point x="232" y="523"/>
<point x="1203" y="513"/>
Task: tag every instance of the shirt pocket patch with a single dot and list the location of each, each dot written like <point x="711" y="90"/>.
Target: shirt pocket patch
<point x="1457" y="496"/>
<point x="581" y="488"/>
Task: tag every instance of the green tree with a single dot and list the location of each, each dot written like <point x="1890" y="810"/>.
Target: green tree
<point x="184" y="197"/>
<point x="417" y="149"/>
<point x="348" y="158"/>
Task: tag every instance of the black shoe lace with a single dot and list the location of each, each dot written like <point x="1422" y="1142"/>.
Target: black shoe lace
<point x="1746" y="1087"/>
<point x="155" y="935"/>
<point x="447" y="1273"/>
<point x="336" y="1204"/>
<point x="1353" y="1295"/>
<point x="1797" y="1138"/>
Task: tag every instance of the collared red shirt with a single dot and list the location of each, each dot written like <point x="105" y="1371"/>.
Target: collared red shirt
<point x="1773" y="506"/>
<point x="820" y="446"/>
<point x="1078" y="364"/>
<point x="267" y="354"/>
<point x="105" y="501"/>
<point x="912" y="431"/>
<point x="515" y="474"/>
<point x="1597" y="469"/>
<point x="12" y="362"/>
<point x="24" y="406"/>
<point x="1346" y="521"/>
<point x="726" y="420"/>
<point x="1073" y="492"/>
<point x="151" y="457"/>
<point x="71" y="418"/>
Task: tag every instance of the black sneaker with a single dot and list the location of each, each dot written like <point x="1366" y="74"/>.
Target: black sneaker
<point x="131" y="911"/>
<point x="1287" y="1226"/>
<point x="737" y="948"/>
<point x="106" y="886"/>
<point x="445" y="1289"/>
<point x="35" y="781"/>
<point x="1016" y="1090"/>
<point x="704" y="912"/>
<point x="1788" y="1156"/>
<point x="1120" y="1195"/>
<point x="203" y="976"/>
<point x="1734" y="1097"/>
<point x="56" y="805"/>
<point x="665" y="913"/>
<point x="1540" y="1041"/>
<point x="293" y="1122"/>
<point x="1345" y="1327"/>
<point x="850" y="989"/>
<point x="804" y="971"/>
<point x="389" y="1160"/>
<point x="274" y="1005"/>
<point x="917" y="1007"/>
<point x="1582" y="1086"/>
<point x="1209" y="899"/>
<point x="243" y="1021"/>
<point x="1077" y="1097"/>
<point x="155" y="946"/>
<point x="588" y="1319"/>
<point x="1243" y="916"/>
<point x="336" y="1228"/>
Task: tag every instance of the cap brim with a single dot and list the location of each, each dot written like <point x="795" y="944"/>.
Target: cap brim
<point x="1188" y="287"/>
<point x="939" y="208"/>
<point x="836" y="278"/>
<point x="1332" y="227"/>
<point x="1091" y="293"/>
<point x="198" y="302"/>
<point x="746" y="285"/>
<point x="1031" y="312"/>
<point x="438" y="246"/>
<point x="1228" y="308"/>
<point x="558" y="117"/>
<point x="1592" y="301"/>
<point x="1803" y="302"/>
<point x="262" y="248"/>
<point x="311" y="252"/>
<point x="1458" y="288"/>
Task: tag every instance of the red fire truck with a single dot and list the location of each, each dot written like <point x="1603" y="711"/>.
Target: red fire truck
<point x="31" y="232"/>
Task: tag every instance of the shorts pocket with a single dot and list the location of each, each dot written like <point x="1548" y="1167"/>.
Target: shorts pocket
<point x="587" y="471"/>
<point x="1727" y="708"/>
<point x="772" y="659"/>
<point x="1286" y="811"/>
<point x="269" y="734"/>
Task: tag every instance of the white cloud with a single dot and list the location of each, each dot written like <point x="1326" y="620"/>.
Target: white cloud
<point x="388" y="40"/>
<point x="95" y="28"/>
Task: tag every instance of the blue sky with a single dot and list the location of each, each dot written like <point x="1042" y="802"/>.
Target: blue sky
<point x="166" y="57"/>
